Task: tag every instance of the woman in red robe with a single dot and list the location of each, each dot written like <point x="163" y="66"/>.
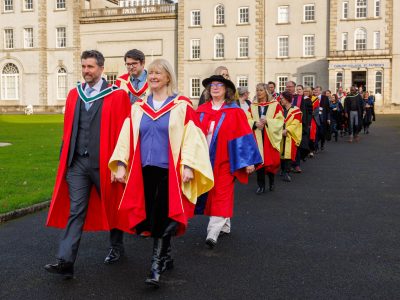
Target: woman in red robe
<point x="233" y="153"/>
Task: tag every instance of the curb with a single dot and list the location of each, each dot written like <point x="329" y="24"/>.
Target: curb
<point x="23" y="211"/>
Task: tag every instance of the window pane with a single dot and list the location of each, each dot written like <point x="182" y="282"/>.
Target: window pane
<point x="283" y="46"/>
<point x="243" y="15"/>
<point x="28" y="37"/>
<point x="377" y="8"/>
<point x="361" y="8"/>
<point x="220" y="15"/>
<point x="243" y="81"/>
<point x="243" y="47"/>
<point x="361" y="39"/>
<point x="378" y="83"/>
<point x="377" y="40"/>
<point x="195" y="19"/>
<point x="62" y="84"/>
<point x="9" y="82"/>
<point x="344" y="41"/>
<point x="28" y="4"/>
<point x="339" y="80"/>
<point x="60" y="4"/>
<point x="8" y="5"/>
<point x="195" y="49"/>
<point x="61" y="37"/>
<point x="9" y="38"/>
<point x="219" y="46"/>
<point x="195" y="87"/>
<point x="309" y="13"/>
<point x="282" y="80"/>
<point x="345" y="10"/>
<point x="309" y="45"/>
<point x="283" y="14"/>
<point x="309" y="80"/>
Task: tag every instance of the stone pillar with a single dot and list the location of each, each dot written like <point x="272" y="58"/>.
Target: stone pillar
<point x="333" y="9"/>
<point x="260" y="41"/>
<point x="77" y="6"/>
<point x="181" y="47"/>
<point x="387" y="76"/>
<point x="42" y="45"/>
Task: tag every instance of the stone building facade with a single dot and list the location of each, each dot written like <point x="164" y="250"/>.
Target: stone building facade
<point x="329" y="43"/>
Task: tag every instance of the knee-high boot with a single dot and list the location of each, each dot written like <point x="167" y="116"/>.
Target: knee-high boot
<point x="271" y="177"/>
<point x="167" y="260"/>
<point x="156" y="263"/>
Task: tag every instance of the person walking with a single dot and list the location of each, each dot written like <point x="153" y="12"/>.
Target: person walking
<point x="353" y="108"/>
<point x="84" y="197"/>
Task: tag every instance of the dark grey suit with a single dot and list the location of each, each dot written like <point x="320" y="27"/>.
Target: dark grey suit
<point x="82" y="174"/>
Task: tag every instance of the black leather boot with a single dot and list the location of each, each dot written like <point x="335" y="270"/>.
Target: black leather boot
<point x="271" y="177"/>
<point x="167" y="260"/>
<point x="156" y="264"/>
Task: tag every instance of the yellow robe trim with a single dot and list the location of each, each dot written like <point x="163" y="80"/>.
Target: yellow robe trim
<point x="274" y="128"/>
<point x="188" y="141"/>
<point x="294" y="130"/>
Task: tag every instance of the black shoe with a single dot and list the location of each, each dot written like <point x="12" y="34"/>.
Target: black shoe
<point x="271" y="187"/>
<point x="211" y="243"/>
<point x="160" y="249"/>
<point x="260" y="190"/>
<point x="62" y="268"/>
<point x="114" y="256"/>
<point x="287" y="178"/>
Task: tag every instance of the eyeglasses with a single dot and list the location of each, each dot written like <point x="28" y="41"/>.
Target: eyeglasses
<point x="129" y="65"/>
<point x="217" y="85"/>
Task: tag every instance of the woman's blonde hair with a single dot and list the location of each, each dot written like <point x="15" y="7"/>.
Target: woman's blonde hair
<point x="265" y="88"/>
<point x="307" y="89"/>
<point x="163" y="64"/>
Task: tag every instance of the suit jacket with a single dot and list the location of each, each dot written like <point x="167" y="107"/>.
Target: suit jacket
<point x="324" y="104"/>
<point x="306" y="108"/>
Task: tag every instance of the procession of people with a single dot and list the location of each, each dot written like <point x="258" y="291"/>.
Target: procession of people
<point x="138" y="157"/>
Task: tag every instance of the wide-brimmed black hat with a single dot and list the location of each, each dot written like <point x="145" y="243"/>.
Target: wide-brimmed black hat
<point x="219" y="78"/>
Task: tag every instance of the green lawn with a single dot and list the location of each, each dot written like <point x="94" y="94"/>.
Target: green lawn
<point x="28" y="166"/>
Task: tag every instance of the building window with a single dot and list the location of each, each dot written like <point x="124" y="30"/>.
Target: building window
<point x="219" y="46"/>
<point x="195" y="49"/>
<point x="28" y="4"/>
<point x="62" y="84"/>
<point x="339" y="80"/>
<point x="283" y="46"/>
<point x="361" y="39"/>
<point x="111" y="77"/>
<point x="377" y="40"/>
<point x="195" y="18"/>
<point x="28" y="37"/>
<point x="361" y="8"/>
<point x="282" y="80"/>
<point x="61" y="39"/>
<point x="243" y="46"/>
<point x="377" y="8"/>
<point x="309" y="13"/>
<point x="219" y="15"/>
<point x="60" y="4"/>
<point x="378" y="82"/>
<point x="9" y="82"/>
<point x="9" y="38"/>
<point x="309" y="80"/>
<point x="194" y="87"/>
<point x="244" y="15"/>
<point x="345" y="36"/>
<point x="345" y="10"/>
<point x="283" y="14"/>
<point x="8" y="5"/>
<point x="308" y="45"/>
<point x="243" y="81"/>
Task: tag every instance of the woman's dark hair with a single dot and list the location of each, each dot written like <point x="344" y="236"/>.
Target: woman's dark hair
<point x="97" y="55"/>
<point x="229" y="94"/>
<point x="336" y="97"/>
<point x="287" y="95"/>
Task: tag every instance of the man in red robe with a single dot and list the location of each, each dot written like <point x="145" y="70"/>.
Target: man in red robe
<point x="84" y="197"/>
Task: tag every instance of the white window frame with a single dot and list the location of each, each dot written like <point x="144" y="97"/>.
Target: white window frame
<point x="195" y="18"/>
<point x="281" y="81"/>
<point x="9" y="38"/>
<point x="195" y="83"/>
<point x="308" y="76"/>
<point x="345" y="41"/>
<point x="280" y="50"/>
<point x="111" y="77"/>
<point x="195" y="52"/>
<point x="28" y="3"/>
<point x="242" y="80"/>
<point x="377" y="8"/>
<point x="8" y="6"/>
<point x="361" y="9"/>
<point x="345" y="10"/>
<point x="61" y="4"/>
<point x="305" y="13"/>
<point x="244" y="14"/>
<point x="62" y="83"/>
<point x="377" y="40"/>
<point x="6" y="79"/>
<point x="380" y="74"/>
<point x="283" y="18"/>
<point x="308" y="49"/>
<point x="219" y="15"/>
<point x="243" y="47"/>
<point x="28" y="37"/>
<point x="59" y="39"/>
<point x="217" y="52"/>
<point x="339" y="83"/>
<point x="357" y="44"/>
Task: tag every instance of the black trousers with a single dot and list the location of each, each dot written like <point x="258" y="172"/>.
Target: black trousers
<point x="155" y="181"/>
<point x="261" y="177"/>
<point x="80" y="178"/>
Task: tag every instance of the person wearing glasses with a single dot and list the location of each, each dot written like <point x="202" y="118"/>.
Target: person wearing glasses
<point x="233" y="153"/>
<point x="162" y="156"/>
<point x="221" y="70"/>
<point x="135" y="81"/>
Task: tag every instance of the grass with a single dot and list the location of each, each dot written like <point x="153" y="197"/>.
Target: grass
<point x="28" y="167"/>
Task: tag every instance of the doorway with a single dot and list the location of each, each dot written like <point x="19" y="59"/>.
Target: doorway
<point x="359" y="78"/>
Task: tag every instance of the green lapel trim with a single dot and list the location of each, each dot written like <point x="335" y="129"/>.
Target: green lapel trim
<point x="102" y="94"/>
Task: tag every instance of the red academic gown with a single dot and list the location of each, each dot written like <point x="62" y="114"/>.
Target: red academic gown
<point x="313" y="129"/>
<point x="102" y="211"/>
<point x="132" y="209"/>
<point x="232" y="148"/>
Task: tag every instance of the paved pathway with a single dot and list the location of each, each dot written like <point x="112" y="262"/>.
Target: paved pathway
<point x="333" y="233"/>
